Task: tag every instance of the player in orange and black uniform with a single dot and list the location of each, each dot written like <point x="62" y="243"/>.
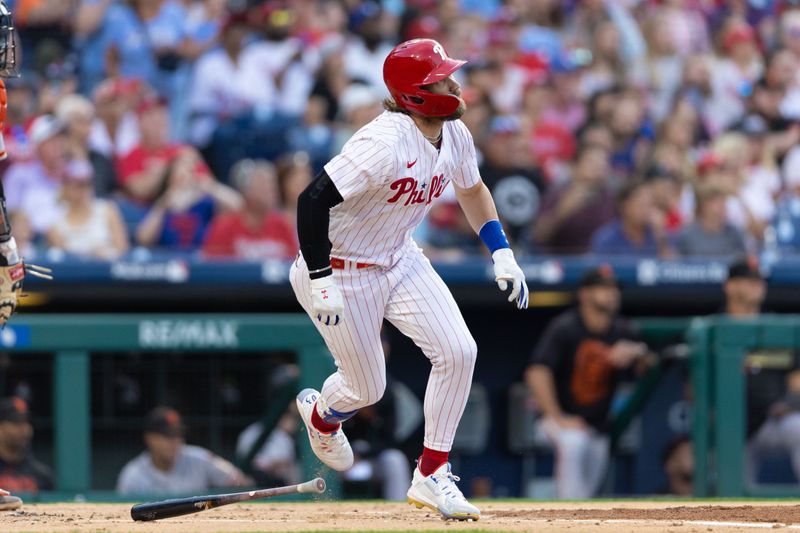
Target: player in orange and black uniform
<point x="573" y="373"/>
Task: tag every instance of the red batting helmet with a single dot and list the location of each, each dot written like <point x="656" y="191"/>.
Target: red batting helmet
<point x="415" y="63"/>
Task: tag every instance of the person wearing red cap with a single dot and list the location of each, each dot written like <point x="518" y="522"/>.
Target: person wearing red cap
<point x="359" y="265"/>
<point x="733" y="77"/>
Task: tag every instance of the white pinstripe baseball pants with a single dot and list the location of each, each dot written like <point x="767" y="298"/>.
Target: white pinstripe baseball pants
<point x="413" y="297"/>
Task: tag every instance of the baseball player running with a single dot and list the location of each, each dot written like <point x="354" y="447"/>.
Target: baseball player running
<point x="359" y="265"/>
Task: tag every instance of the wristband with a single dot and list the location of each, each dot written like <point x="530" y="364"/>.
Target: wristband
<point x="320" y="273"/>
<point x="493" y="236"/>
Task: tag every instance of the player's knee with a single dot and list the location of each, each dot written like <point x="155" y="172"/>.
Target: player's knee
<point x="573" y="442"/>
<point x="791" y="426"/>
<point x="466" y="352"/>
<point x="377" y="393"/>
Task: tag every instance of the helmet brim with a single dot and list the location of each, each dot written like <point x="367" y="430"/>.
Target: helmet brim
<point x="441" y="72"/>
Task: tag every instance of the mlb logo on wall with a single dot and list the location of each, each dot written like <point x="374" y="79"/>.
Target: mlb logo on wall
<point x="647" y="272"/>
<point x="15" y="336"/>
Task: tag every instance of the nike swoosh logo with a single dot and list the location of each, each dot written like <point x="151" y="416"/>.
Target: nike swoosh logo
<point x="409" y="165"/>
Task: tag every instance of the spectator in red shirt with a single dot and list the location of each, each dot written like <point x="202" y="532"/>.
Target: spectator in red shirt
<point x="258" y="230"/>
<point x="141" y="172"/>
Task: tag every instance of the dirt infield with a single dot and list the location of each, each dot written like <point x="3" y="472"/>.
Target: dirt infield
<point x="619" y="517"/>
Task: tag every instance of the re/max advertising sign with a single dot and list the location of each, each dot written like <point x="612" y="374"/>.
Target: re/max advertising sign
<point x="189" y="334"/>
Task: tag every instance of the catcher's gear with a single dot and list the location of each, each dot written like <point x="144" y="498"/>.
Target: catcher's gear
<point x="12" y="274"/>
<point x="8" y="66"/>
<point x="415" y="63"/>
<point x="8" y="44"/>
<point x="506" y="269"/>
<point x="327" y="301"/>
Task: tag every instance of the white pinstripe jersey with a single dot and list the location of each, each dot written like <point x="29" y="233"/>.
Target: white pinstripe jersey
<point x="388" y="175"/>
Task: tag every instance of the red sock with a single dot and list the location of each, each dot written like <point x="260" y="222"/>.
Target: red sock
<point x="320" y="424"/>
<point x="430" y="460"/>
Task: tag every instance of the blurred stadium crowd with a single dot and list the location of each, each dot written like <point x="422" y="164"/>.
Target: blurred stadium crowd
<point x="661" y="128"/>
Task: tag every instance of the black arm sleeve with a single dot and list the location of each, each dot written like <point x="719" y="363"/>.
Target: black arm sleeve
<point x="313" y="219"/>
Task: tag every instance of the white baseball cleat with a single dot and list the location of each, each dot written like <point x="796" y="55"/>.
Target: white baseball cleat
<point x="333" y="448"/>
<point x="439" y="492"/>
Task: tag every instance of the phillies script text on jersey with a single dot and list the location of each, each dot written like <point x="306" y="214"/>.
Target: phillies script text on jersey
<point x="389" y="177"/>
<point x="417" y="194"/>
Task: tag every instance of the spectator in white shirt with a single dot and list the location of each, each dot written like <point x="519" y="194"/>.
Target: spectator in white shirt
<point x="85" y="225"/>
<point x="32" y="187"/>
<point x="225" y="83"/>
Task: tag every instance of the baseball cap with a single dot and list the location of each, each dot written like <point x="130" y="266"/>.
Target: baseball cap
<point x="745" y="269"/>
<point x="600" y="276"/>
<point x="164" y="421"/>
<point x="13" y="409"/>
<point x="113" y="88"/>
<point x="566" y="61"/>
<point x="366" y="10"/>
<point x="738" y="34"/>
<point x="709" y="161"/>
<point x="44" y="128"/>
<point x="235" y="18"/>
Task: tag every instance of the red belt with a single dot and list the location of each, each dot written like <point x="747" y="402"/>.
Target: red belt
<point x="340" y="264"/>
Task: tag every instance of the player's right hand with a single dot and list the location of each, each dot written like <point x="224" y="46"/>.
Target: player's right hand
<point x="327" y="301"/>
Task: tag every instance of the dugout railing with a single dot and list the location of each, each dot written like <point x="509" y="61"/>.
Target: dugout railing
<point x="718" y="349"/>
<point x="74" y="339"/>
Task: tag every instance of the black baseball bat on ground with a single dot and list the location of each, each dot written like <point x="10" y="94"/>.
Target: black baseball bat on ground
<point x="194" y="504"/>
